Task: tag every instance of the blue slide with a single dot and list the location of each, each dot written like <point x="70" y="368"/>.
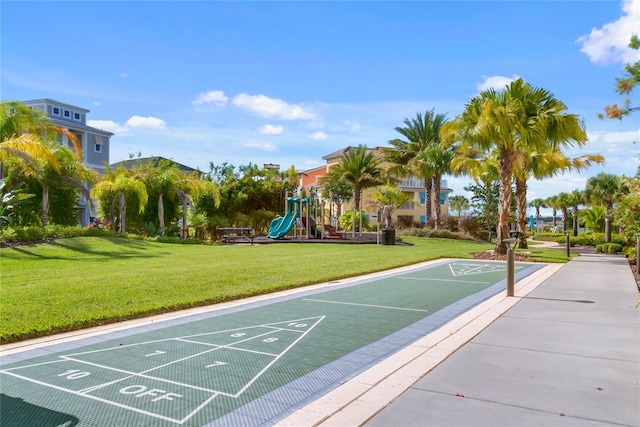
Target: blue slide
<point x="279" y="227"/>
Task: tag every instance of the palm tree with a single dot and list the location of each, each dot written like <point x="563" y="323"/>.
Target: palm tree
<point x="605" y="189"/>
<point x="117" y="185"/>
<point x="70" y="172"/>
<point x="360" y="167"/>
<point x="419" y="133"/>
<point x="552" y="202"/>
<point x="518" y="118"/>
<point x="25" y="133"/>
<point x="537" y="204"/>
<point x="542" y="165"/>
<point x="459" y="204"/>
<point x="563" y="202"/>
<point x="434" y="160"/>
<point x="576" y="199"/>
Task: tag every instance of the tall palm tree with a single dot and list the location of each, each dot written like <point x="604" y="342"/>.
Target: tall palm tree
<point x="361" y="168"/>
<point x="434" y="160"/>
<point x="518" y="118"/>
<point x="418" y="133"/>
<point x="606" y="189"/>
<point x="552" y="202"/>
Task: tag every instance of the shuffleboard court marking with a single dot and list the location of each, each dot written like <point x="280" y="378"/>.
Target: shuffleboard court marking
<point x="427" y="279"/>
<point x="469" y="268"/>
<point x="365" y="305"/>
<point x="132" y="383"/>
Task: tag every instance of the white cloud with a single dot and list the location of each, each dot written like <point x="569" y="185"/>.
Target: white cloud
<point x="272" y="107"/>
<point x="609" y="44"/>
<point x="319" y="136"/>
<point x="271" y="129"/>
<point x="495" y="82"/>
<point x="123" y="75"/>
<point x="260" y="145"/>
<point x="145" y="122"/>
<point x="214" y="97"/>
<point x="108" y="125"/>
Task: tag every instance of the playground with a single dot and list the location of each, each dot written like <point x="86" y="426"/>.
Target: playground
<point x="249" y="365"/>
<point x="306" y="218"/>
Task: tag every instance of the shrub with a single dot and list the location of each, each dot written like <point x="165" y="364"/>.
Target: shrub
<point x="549" y="237"/>
<point x="599" y="249"/>
<point x="614" y="248"/>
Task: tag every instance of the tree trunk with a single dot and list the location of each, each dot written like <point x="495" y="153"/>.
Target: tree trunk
<point x="521" y="194"/>
<point x="436" y="202"/>
<point x="45" y="204"/>
<point x="123" y="213"/>
<point x="428" y="185"/>
<point x="575" y="221"/>
<point x="555" y="213"/>
<point x="607" y="225"/>
<point x="504" y="199"/>
<point x="161" y="214"/>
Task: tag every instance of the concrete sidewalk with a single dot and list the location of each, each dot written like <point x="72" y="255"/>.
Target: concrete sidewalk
<point x="564" y="351"/>
<point x="567" y="354"/>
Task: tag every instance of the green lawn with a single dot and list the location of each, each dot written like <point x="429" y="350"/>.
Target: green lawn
<point x="79" y="282"/>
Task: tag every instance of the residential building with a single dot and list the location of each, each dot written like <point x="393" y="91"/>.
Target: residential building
<point x="94" y="142"/>
<point x="413" y="212"/>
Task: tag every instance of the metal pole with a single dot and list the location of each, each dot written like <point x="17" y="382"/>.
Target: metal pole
<point x="360" y="216"/>
<point x="510" y="272"/>
<point x="511" y="267"/>
<point x="568" y="243"/>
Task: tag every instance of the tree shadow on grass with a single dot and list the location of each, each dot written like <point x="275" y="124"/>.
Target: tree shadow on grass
<point x="122" y="249"/>
<point x="18" y="413"/>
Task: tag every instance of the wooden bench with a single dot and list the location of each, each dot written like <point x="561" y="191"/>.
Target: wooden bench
<point x="233" y="235"/>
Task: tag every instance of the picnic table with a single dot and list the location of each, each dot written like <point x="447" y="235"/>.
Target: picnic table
<point x="235" y="234"/>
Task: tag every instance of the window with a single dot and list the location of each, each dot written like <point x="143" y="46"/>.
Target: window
<point x="443" y="199"/>
<point x="423" y="198"/>
<point x="98" y="145"/>
<point x="56" y="111"/>
<point x="76" y="116"/>
<point x="67" y="113"/>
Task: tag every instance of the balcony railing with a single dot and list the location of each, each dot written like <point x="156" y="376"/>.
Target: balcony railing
<point x="415" y="182"/>
<point x="408" y="206"/>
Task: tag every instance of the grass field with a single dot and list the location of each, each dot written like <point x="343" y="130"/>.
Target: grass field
<point x="86" y="281"/>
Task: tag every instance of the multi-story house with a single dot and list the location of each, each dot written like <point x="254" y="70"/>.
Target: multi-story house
<point x="94" y="142"/>
<point x="413" y="212"/>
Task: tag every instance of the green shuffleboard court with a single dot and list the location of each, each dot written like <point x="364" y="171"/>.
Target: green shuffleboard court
<point x="250" y="365"/>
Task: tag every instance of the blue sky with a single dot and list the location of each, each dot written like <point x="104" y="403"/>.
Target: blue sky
<point x="289" y="82"/>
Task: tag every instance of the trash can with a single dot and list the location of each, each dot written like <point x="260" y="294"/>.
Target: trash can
<point x="389" y="237"/>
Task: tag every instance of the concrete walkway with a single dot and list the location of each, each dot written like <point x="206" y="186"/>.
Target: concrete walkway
<point x="565" y="353"/>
